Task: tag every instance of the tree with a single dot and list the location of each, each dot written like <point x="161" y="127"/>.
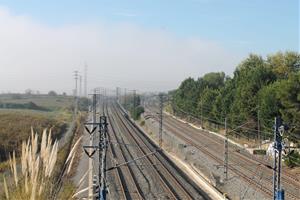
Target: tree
<point x="52" y="93"/>
<point x="284" y="64"/>
<point x="251" y="75"/>
<point x="269" y="104"/>
<point x="137" y="112"/>
<point x="270" y="85"/>
<point x="206" y="102"/>
<point x="187" y="95"/>
<point x="28" y="92"/>
<point x="289" y="96"/>
<point x="224" y="100"/>
<point x="214" y="80"/>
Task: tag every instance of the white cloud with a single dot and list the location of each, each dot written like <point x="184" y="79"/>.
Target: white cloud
<point x="41" y="57"/>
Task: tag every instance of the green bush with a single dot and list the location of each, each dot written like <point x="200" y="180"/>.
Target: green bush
<point x="292" y="159"/>
<point x="136" y="113"/>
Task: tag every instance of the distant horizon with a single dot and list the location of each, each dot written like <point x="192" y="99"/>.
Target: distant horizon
<point x="148" y="46"/>
<point x="90" y="90"/>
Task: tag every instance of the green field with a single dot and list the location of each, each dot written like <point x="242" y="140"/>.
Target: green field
<point x="50" y="103"/>
<point x="44" y="112"/>
<point x="19" y="112"/>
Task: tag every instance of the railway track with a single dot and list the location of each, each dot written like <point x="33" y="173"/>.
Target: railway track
<point x="128" y="185"/>
<point x="167" y="177"/>
<point x="240" y="164"/>
<point x="220" y="161"/>
<point x="249" y="157"/>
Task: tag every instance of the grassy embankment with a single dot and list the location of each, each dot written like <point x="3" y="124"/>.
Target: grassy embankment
<point x="39" y="112"/>
<point x="15" y="124"/>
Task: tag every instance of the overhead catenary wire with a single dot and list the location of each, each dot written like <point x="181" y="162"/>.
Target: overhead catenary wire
<point x="220" y="122"/>
<point x="209" y="109"/>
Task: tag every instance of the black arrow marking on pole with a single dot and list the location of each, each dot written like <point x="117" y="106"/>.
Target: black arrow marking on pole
<point x="89" y="155"/>
<point x="90" y="147"/>
<point x="88" y="130"/>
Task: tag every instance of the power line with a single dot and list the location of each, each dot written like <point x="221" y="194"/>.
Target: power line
<point x="76" y="75"/>
<point x="85" y="79"/>
<point x="80" y="85"/>
<point x="219" y="122"/>
<point x="134" y="102"/>
<point x="75" y="92"/>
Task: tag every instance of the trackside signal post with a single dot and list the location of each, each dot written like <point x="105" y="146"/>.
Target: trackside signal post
<point x="103" y="143"/>
<point x="102" y="148"/>
<point x="90" y="150"/>
<point x="279" y="128"/>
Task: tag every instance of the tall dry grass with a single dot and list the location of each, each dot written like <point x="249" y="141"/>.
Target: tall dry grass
<point x="33" y="178"/>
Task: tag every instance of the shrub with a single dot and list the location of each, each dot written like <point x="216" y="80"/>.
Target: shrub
<point x="15" y="127"/>
<point x="36" y="177"/>
<point x="292" y="159"/>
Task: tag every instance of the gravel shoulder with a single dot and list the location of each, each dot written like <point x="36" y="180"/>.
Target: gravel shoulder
<point x="197" y="161"/>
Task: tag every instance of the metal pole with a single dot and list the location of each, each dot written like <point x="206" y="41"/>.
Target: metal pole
<point x="80" y="86"/>
<point x="85" y="79"/>
<point x="226" y="152"/>
<point x="76" y="78"/>
<point x="258" y="129"/>
<point x="104" y="99"/>
<point x="94" y="107"/>
<point x="134" y="103"/>
<point x="279" y="171"/>
<point x="202" y="113"/>
<point x="275" y="161"/>
<point x="160" y="119"/>
<point x="117" y="93"/>
<point x="125" y="98"/>
<point x="76" y="99"/>
<point x="98" y="98"/>
<point x="275" y="176"/>
<point x="90" y="188"/>
<point x="102" y="156"/>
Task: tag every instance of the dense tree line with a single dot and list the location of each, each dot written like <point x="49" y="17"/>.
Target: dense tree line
<point x="259" y="87"/>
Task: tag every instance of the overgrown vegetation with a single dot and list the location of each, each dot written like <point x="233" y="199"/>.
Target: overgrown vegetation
<point x="46" y="102"/>
<point x="83" y="104"/>
<point x="40" y="172"/>
<point x="30" y="105"/>
<point x="133" y="105"/>
<point x="142" y="123"/>
<point x="16" y="126"/>
<point x="265" y="87"/>
<point x="292" y="159"/>
<point x="19" y="112"/>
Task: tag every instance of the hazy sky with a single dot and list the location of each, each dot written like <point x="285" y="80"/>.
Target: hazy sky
<point x="137" y="44"/>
